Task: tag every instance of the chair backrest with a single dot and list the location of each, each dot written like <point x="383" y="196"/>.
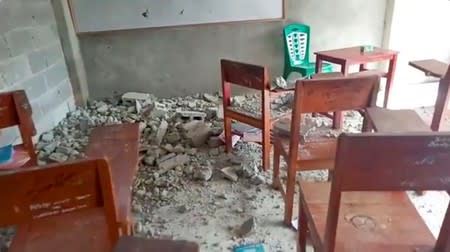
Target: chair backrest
<point x="378" y="162"/>
<point x="15" y="110"/>
<point x="296" y="43"/>
<point x="29" y="194"/>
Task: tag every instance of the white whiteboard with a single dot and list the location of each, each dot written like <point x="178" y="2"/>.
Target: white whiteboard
<point x="109" y="15"/>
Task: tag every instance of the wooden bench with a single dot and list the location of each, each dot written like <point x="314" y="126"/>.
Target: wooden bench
<point x="135" y="244"/>
<point x="63" y="207"/>
<point x="119" y="144"/>
<point x="15" y="110"/>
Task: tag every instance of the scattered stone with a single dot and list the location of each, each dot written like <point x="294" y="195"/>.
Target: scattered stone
<point x="214" y="152"/>
<point x="166" y="157"/>
<point x="192" y="115"/>
<point x="203" y="173"/>
<point x="135" y="96"/>
<point x="210" y="98"/>
<point x="182" y="209"/>
<point x="161" y="132"/>
<point x="168" y="148"/>
<point x="219" y="112"/>
<point x="258" y="180"/>
<point x="150" y="160"/>
<point x="47" y="137"/>
<point x="102" y="108"/>
<point x="178" y="149"/>
<point x="64" y="150"/>
<point x="173" y="162"/>
<point x="49" y="148"/>
<point x="230" y="173"/>
<point x="280" y="82"/>
<point x="247" y="227"/>
<point x="197" y="132"/>
<point x="173" y="137"/>
<point x="58" y="157"/>
<point x="191" y="151"/>
<point x="214" y="142"/>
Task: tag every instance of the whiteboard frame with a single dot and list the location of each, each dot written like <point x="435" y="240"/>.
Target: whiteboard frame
<point x="77" y="31"/>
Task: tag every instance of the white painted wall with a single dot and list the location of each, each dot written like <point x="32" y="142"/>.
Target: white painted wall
<point x="419" y="30"/>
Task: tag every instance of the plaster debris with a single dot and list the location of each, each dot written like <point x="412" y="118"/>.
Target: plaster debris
<point x="247" y="227"/>
<point x="230" y="173"/>
<point x="135" y="96"/>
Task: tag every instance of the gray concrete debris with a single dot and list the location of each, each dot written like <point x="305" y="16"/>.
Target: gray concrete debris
<point x="58" y="157"/>
<point x="182" y="209"/>
<point x="203" y="173"/>
<point x="230" y="173"/>
<point x="173" y="162"/>
<point x="135" y="96"/>
<point x="150" y="160"/>
<point x="258" y="180"/>
<point x="161" y="132"/>
<point x="247" y="227"/>
<point x="214" y="142"/>
<point x="211" y="98"/>
<point x="47" y="137"/>
<point x="197" y="132"/>
<point x="192" y="115"/>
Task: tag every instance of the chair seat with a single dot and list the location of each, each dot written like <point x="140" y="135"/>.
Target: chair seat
<point x="20" y="158"/>
<point x="84" y="230"/>
<point x="405" y="120"/>
<point x="373" y="221"/>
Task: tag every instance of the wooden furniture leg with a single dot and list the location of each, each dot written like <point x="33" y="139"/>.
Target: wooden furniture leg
<point x="290" y="192"/>
<point x="390" y="79"/>
<point x="441" y="104"/>
<point x="337" y="118"/>
<point x="276" y="169"/>
<point x="302" y="228"/>
<point x="228" y="135"/>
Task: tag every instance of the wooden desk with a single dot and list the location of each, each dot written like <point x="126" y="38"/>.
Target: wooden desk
<point x="439" y="70"/>
<point x="395" y="121"/>
<point x="431" y="67"/>
<point x="135" y="244"/>
<point x="346" y="57"/>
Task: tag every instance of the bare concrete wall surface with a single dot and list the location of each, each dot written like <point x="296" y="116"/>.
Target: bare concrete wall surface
<point x="31" y="58"/>
<point x="185" y="60"/>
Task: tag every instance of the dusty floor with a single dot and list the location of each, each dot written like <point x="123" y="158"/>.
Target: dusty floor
<point x="208" y="209"/>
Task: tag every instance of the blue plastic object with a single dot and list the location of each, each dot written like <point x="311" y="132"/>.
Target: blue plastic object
<point x="250" y="248"/>
<point x="6" y="153"/>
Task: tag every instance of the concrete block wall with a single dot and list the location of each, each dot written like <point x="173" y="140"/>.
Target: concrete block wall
<point x="31" y="58"/>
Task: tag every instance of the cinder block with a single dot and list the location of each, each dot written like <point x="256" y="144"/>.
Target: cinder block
<point x="56" y="73"/>
<point x="43" y="36"/>
<point x="38" y="60"/>
<point x="5" y="51"/>
<point x="19" y="41"/>
<point x="35" y="86"/>
<point x="14" y="70"/>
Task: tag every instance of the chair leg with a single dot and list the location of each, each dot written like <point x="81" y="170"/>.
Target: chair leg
<point x="276" y="169"/>
<point x="266" y="148"/>
<point x="290" y="192"/>
<point x="302" y="229"/>
<point x="228" y="135"/>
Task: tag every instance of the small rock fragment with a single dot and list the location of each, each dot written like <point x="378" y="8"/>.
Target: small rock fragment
<point x="203" y="173"/>
<point x="47" y="137"/>
<point x="247" y="227"/>
<point x="161" y="132"/>
<point x="58" y="157"/>
<point x="229" y="173"/>
<point x="214" y="142"/>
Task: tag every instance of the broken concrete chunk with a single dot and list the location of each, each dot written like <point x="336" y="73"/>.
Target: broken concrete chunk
<point x="230" y="173"/>
<point x="58" y="157"/>
<point x="258" y="180"/>
<point x="64" y="150"/>
<point x="210" y="98"/>
<point x="166" y="157"/>
<point x="247" y="227"/>
<point x="178" y="149"/>
<point x="214" y="142"/>
<point x="203" y="173"/>
<point x="173" y="137"/>
<point x="161" y="132"/>
<point x="47" y="137"/>
<point x="168" y="147"/>
<point x="219" y="112"/>
<point x="49" y="148"/>
<point x="197" y="133"/>
<point x="150" y="160"/>
<point x="182" y="209"/>
<point x="173" y="162"/>
<point x="135" y="96"/>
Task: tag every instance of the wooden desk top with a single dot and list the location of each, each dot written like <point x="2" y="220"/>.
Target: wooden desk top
<point x="431" y="67"/>
<point x="135" y="244"/>
<point x="392" y="121"/>
<point x="354" y="54"/>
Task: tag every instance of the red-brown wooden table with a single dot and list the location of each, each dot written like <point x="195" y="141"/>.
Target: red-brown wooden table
<point x="439" y="70"/>
<point x="345" y="57"/>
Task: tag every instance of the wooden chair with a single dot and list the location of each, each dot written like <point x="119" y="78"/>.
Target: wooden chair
<point x="254" y="77"/>
<point x="64" y="207"/>
<point x="15" y="110"/>
<point x="317" y="96"/>
<point x="135" y="244"/>
<point x="365" y="207"/>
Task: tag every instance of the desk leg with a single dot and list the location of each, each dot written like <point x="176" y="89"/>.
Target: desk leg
<point x="441" y="105"/>
<point x="389" y="80"/>
<point x="337" y="118"/>
<point x="319" y="64"/>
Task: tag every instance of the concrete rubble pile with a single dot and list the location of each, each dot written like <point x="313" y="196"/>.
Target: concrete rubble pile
<point x="180" y="144"/>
